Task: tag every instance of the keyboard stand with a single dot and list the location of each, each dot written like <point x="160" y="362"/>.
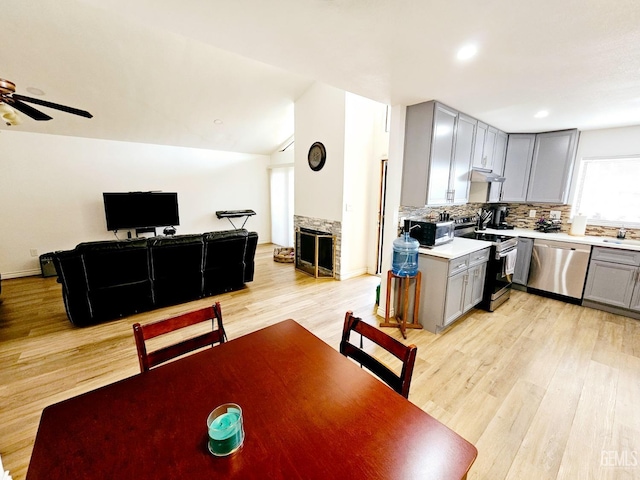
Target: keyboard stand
<point x="229" y="214"/>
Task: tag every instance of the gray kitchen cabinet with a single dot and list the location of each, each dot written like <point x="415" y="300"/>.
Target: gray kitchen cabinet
<point x="517" y="167"/>
<point x="478" y="146"/>
<point x="460" y="166"/>
<point x="552" y="165"/>
<point x="438" y="191"/>
<point x="489" y="147"/>
<point x="436" y="169"/>
<point x="523" y="261"/>
<point x="474" y="286"/>
<point x="455" y="297"/>
<point x="538" y="167"/>
<point x="499" y="154"/>
<point x="635" y="298"/>
<point x="450" y="288"/>
<point x="610" y="283"/>
<point x="484" y="147"/>
<point x="613" y="282"/>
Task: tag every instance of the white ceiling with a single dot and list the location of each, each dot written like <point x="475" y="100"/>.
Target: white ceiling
<point x="160" y="71"/>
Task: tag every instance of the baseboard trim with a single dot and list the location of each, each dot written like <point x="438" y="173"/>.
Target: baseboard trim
<point x="353" y="273"/>
<point x="611" y="309"/>
<point x="21" y="273"/>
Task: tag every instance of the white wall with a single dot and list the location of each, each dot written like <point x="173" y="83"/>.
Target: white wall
<point x="51" y="190"/>
<point x="320" y="117"/>
<point x="282" y="197"/>
<point x="365" y="147"/>
<point x="607" y="142"/>
<point x="394" y="188"/>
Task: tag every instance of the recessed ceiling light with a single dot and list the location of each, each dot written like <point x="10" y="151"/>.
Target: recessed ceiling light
<point x="541" y="114"/>
<point x="467" y="52"/>
<point x="217" y="121"/>
<point x="35" y="91"/>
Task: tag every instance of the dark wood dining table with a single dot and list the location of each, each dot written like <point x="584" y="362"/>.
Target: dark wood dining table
<point x="308" y="413"/>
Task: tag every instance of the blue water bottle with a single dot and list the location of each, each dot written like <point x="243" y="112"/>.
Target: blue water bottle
<point x="405" y="253"/>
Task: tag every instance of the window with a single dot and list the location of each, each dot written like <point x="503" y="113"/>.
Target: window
<point x="608" y="191"/>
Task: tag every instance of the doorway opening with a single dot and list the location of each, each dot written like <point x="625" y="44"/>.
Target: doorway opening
<point x="381" y="206"/>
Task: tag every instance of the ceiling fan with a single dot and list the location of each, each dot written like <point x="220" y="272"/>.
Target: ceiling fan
<point x="14" y="100"/>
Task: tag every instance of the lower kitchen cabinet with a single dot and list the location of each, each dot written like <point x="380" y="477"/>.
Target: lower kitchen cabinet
<point x="613" y="281"/>
<point x="450" y="288"/>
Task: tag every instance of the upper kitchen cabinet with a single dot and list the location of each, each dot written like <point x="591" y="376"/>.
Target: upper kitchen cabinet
<point x="437" y="156"/>
<point x="552" y="165"/>
<point x="517" y="167"/>
<point x="484" y="149"/>
<point x="538" y="167"/>
<point x="499" y="155"/>
<point x="479" y="159"/>
<point x="460" y="167"/>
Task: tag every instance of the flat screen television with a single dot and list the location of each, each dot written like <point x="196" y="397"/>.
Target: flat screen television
<point x="140" y="210"/>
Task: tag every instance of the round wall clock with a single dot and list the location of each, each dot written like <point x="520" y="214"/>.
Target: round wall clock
<point x="317" y="156"/>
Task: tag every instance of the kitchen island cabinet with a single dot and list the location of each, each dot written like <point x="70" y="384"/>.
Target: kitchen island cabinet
<point x="451" y="286"/>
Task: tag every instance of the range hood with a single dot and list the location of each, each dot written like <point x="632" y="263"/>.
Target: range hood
<point x="484" y="176"/>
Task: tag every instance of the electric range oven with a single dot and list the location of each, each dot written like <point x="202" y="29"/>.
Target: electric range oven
<point x="497" y="286"/>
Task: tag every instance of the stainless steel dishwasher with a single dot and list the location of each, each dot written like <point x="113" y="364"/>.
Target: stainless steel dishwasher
<point x="559" y="267"/>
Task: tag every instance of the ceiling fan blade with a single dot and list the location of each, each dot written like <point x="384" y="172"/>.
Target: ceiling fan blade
<point x="44" y="103"/>
<point x="26" y="109"/>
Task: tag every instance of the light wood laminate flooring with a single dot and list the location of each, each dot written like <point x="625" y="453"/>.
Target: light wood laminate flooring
<point x="544" y="389"/>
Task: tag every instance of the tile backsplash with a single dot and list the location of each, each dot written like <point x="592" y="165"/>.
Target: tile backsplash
<point x="518" y="216"/>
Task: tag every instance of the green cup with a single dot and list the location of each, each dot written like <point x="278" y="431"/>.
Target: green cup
<point x="226" y="430"/>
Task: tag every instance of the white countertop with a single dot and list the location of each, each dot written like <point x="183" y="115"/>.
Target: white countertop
<point x="455" y="249"/>
<point x="464" y="246"/>
<point x="565" y="237"/>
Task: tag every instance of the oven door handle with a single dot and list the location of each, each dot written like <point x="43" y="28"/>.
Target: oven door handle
<point x="503" y="254"/>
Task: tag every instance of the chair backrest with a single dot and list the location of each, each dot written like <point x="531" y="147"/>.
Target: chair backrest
<point x="406" y="354"/>
<point x="142" y="333"/>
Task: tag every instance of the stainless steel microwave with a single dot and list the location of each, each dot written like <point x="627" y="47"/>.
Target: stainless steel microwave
<point x="431" y="234"/>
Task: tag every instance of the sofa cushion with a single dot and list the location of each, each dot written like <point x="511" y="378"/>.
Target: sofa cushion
<point x="224" y="260"/>
<point x="118" y="279"/>
<point x="176" y="268"/>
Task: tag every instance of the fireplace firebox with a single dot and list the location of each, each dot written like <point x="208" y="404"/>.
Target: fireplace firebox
<point x="315" y="252"/>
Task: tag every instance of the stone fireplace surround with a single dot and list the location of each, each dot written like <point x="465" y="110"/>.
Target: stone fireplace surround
<point x="329" y="226"/>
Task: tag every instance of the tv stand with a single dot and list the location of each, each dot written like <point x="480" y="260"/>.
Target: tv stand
<point x="146" y="230"/>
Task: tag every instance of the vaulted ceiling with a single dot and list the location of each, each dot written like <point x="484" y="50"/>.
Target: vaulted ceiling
<point x="224" y="74"/>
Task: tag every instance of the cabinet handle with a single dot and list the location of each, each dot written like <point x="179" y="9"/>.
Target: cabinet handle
<point x="449" y="196"/>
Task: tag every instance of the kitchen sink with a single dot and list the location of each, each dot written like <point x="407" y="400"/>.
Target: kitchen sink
<point x="621" y="241"/>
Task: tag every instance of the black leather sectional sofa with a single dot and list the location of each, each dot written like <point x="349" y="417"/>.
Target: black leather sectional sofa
<point x="109" y="279"/>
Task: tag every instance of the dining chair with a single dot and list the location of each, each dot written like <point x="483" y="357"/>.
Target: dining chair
<point x="142" y="333"/>
<point x="406" y="354"/>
